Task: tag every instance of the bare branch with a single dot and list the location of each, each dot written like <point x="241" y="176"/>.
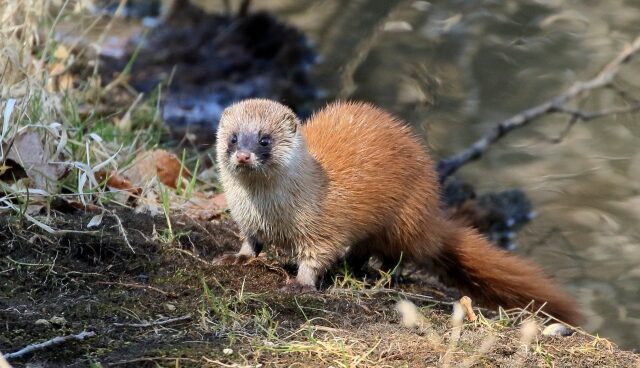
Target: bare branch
<point x="557" y="104"/>
<point x="49" y="343"/>
<point x="590" y="115"/>
<point x="138" y="286"/>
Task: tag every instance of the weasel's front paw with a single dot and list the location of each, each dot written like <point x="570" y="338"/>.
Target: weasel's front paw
<point x="232" y="259"/>
<point x="293" y="286"/>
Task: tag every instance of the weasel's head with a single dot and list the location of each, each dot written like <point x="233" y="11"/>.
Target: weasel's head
<point x="256" y="136"/>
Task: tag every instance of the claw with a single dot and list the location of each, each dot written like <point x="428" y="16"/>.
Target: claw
<point x="293" y="286"/>
<point x="232" y="259"/>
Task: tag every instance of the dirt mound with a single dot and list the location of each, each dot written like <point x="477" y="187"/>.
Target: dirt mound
<point x="153" y="303"/>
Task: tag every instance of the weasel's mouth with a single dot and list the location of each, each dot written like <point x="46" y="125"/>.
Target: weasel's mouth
<point x="244" y="166"/>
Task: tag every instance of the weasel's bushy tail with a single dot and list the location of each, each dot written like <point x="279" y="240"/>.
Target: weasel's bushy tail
<point x="495" y="277"/>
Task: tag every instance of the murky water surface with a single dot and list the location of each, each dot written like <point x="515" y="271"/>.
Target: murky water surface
<point x="454" y="68"/>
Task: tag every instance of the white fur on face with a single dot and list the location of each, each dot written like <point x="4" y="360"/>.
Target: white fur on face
<point x="257" y="116"/>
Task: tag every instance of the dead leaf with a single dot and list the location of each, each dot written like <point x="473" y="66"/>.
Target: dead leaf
<point x="95" y="221"/>
<point x="115" y="181"/>
<point x="205" y="208"/>
<point x="169" y="168"/>
<point x="28" y="152"/>
<point x="159" y="162"/>
<point x="84" y="207"/>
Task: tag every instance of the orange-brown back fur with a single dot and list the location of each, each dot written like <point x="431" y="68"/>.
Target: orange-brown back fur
<point x="365" y="184"/>
<point x="381" y="185"/>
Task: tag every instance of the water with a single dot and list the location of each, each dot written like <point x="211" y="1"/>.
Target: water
<point x="454" y="68"/>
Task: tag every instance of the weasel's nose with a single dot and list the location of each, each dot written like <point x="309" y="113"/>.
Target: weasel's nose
<point x="243" y="157"/>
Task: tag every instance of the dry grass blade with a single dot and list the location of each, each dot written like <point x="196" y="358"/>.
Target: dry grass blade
<point x="6" y="117"/>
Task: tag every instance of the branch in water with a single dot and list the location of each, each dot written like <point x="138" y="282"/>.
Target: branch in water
<point x="448" y="166"/>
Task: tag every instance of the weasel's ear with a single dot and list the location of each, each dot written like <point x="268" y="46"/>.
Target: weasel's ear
<point x="292" y="121"/>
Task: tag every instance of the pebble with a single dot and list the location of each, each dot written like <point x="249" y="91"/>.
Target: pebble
<point x="557" y="329"/>
<point x="58" y="321"/>
<point x="43" y="323"/>
<point x="227" y="351"/>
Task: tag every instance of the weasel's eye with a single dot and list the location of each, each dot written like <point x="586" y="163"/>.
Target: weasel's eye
<point x="234" y="139"/>
<point x="265" y="141"/>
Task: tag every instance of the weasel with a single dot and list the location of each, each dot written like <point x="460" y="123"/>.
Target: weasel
<point x="355" y="182"/>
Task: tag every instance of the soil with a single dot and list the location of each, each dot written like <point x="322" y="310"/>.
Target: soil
<point x="82" y="279"/>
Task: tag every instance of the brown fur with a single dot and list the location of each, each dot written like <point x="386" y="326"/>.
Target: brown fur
<point x="355" y="180"/>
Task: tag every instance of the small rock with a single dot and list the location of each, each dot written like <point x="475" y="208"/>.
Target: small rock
<point x="43" y="323"/>
<point x="557" y="329"/>
<point x="35" y="365"/>
<point x="227" y="351"/>
<point x="58" y="321"/>
<point x="170" y="307"/>
<point x="397" y="26"/>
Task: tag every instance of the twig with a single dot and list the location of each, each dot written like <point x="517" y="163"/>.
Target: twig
<point x="590" y="115"/>
<point x="154" y="359"/>
<point x="187" y="253"/>
<point x="138" y="286"/>
<point x="155" y="323"/>
<point x="49" y="343"/>
<point x="123" y="231"/>
<point x="557" y="104"/>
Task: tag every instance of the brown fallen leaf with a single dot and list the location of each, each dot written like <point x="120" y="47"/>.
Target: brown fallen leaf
<point x="162" y="163"/>
<point x="205" y="208"/>
<point x="115" y="181"/>
<point x="28" y="153"/>
<point x="66" y="205"/>
<point x="169" y="168"/>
